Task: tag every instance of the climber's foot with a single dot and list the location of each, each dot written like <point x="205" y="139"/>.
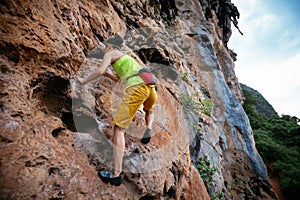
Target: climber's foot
<point x="108" y="176"/>
<point x="147" y="136"/>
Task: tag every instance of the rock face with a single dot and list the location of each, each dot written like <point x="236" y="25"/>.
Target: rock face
<point x="55" y="135"/>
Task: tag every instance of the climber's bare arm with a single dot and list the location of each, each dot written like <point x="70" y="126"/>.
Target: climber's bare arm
<point x="99" y="71"/>
<point x="112" y="76"/>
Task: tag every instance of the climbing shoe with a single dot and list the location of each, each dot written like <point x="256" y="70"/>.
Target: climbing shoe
<point x="147" y="136"/>
<point x="108" y="176"/>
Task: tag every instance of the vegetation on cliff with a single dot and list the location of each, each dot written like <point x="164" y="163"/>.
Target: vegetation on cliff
<point x="278" y="142"/>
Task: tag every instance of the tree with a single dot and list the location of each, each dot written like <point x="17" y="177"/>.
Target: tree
<point x="278" y="142"/>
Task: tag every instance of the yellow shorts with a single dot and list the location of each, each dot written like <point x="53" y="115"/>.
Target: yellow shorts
<point x="134" y="97"/>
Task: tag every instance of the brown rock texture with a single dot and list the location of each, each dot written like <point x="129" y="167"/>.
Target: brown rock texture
<point x="55" y="134"/>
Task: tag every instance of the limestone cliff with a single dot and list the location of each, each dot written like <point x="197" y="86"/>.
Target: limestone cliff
<point x="55" y="135"/>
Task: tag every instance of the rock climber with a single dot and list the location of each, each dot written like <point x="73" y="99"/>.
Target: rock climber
<point x="137" y="93"/>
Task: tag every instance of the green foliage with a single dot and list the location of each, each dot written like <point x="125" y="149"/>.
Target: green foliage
<point x="237" y="181"/>
<point x="185" y="75"/>
<point x="187" y="102"/>
<point x="205" y="92"/>
<point x="289" y="176"/>
<point x="206" y="172"/>
<point x="278" y="142"/>
<point x="198" y="128"/>
<point x="206" y="105"/>
<point x="190" y="104"/>
<point x="267" y="146"/>
<point x="249" y="103"/>
<point x="219" y="195"/>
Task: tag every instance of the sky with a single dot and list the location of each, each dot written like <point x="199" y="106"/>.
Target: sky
<point x="268" y="53"/>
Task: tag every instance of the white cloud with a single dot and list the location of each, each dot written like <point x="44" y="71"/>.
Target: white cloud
<point x="277" y="82"/>
<point x="268" y="54"/>
<point x="289" y="39"/>
<point x="285" y="37"/>
<point x="264" y="23"/>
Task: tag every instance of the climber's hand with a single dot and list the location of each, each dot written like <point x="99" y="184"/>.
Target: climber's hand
<point x="80" y="80"/>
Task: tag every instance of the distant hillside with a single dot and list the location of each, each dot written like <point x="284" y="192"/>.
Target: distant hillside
<point x="277" y="140"/>
<point x="262" y="105"/>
